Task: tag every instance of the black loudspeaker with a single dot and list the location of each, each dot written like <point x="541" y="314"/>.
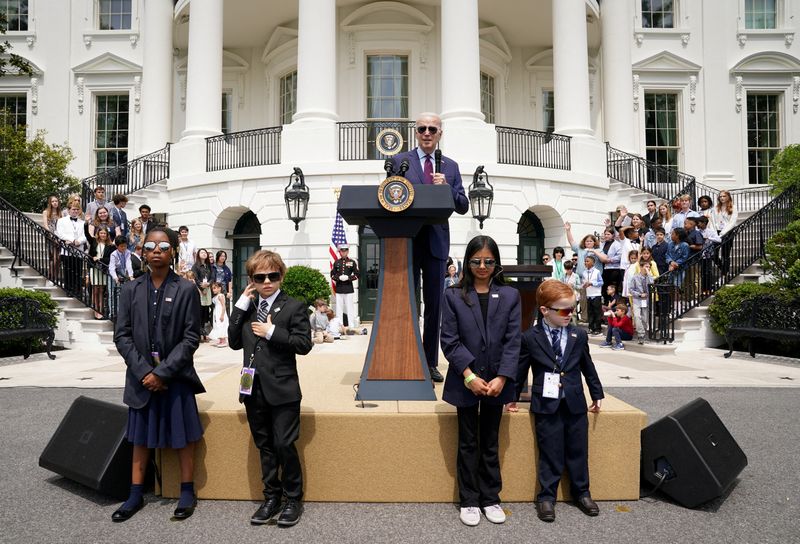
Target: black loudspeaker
<point x="90" y="448"/>
<point x="695" y="451"/>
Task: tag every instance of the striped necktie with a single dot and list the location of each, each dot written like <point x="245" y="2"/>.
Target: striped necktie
<point x="555" y="337"/>
<point x="263" y="311"/>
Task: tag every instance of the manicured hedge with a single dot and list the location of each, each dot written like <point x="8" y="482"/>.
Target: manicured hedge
<point x="731" y="297"/>
<point x="19" y="346"/>
<point x="306" y="284"/>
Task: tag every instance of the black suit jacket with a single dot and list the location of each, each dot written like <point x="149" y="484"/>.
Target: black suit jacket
<point x="537" y="353"/>
<point x="180" y="325"/>
<point x="275" y="359"/>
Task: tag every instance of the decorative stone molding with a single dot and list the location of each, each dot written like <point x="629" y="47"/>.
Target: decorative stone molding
<point x="87" y="40"/>
<point x="351" y="47"/>
<point x="134" y="38"/>
<point x="685" y="39"/>
<point x="638" y="38"/>
<point x="795" y="93"/>
<point x="80" y="83"/>
<point x="423" y="49"/>
<point x="789" y="38"/>
<point x="692" y="92"/>
<point x="35" y="96"/>
<point x="739" y="94"/>
<point x="635" y="92"/>
<point x="742" y="38"/>
<point x="182" y="85"/>
<point x="31" y="40"/>
<point x="137" y="93"/>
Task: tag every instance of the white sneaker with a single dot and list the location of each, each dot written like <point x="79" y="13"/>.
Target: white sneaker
<point x="494" y="513"/>
<point x="471" y="515"/>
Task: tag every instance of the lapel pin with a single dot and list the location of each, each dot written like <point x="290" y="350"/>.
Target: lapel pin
<point x="167" y="299"/>
<point x="277" y="310"/>
<point x="573" y="335"/>
<point x="495" y="295"/>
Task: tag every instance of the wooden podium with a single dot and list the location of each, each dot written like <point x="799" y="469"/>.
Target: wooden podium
<point x="395" y="366"/>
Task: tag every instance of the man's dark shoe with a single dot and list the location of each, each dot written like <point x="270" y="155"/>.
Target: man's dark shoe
<point x="436" y="375"/>
<point x="183" y="512"/>
<point x="588" y="506"/>
<point x="291" y="513"/>
<point x="266" y="511"/>
<point x="124" y="515"/>
<point x="546" y="510"/>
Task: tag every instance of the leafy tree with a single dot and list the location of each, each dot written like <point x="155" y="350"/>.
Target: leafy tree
<point x="30" y="170"/>
<point x="12" y="63"/>
<point x="783" y="257"/>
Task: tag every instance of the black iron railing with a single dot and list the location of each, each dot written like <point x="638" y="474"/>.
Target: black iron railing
<point x="67" y="267"/>
<point x="667" y="183"/>
<point x="357" y="138"/>
<point x="673" y="294"/>
<point x="533" y="148"/>
<point x="129" y="177"/>
<point x="242" y="149"/>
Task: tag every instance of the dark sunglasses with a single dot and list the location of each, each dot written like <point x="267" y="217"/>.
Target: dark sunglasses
<point x="475" y="263"/>
<point x="272" y="277"/>
<point x="150" y="246"/>
<point x="421" y="129"/>
<point x="563" y="312"/>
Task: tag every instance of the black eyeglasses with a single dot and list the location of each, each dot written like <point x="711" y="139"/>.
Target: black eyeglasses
<point x="150" y="246"/>
<point x="421" y="129"/>
<point x="489" y="263"/>
<point x="563" y="312"/>
<point x="272" y="277"/>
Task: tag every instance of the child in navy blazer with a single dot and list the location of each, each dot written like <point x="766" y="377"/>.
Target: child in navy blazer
<point x="480" y="339"/>
<point x="558" y="353"/>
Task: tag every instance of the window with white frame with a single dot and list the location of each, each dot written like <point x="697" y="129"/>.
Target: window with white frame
<point x="114" y="14"/>
<point x="111" y="131"/>
<point x="288" y="97"/>
<point x="760" y="14"/>
<point x="16" y="14"/>
<point x="227" y="112"/>
<point x="658" y="14"/>
<point x="387" y="96"/>
<point x="13" y="109"/>
<point x="487" y="97"/>
<point x="662" y="134"/>
<point x="548" y="111"/>
<point x="763" y="134"/>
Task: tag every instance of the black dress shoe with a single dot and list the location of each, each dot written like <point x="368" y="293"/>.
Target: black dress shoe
<point x="185" y="512"/>
<point x="588" y="506"/>
<point x="546" y="511"/>
<point x="266" y="511"/>
<point x="291" y="513"/>
<point x="436" y="375"/>
<point x="124" y="515"/>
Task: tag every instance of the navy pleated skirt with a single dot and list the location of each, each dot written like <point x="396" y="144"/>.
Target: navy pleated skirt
<point x="169" y="420"/>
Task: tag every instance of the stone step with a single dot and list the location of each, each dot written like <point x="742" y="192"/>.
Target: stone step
<point x="81" y="313"/>
<point x="65" y="302"/>
<point x="107" y="338"/>
<point x="31" y="282"/>
<point x="97" y="325"/>
<point x="650" y="347"/>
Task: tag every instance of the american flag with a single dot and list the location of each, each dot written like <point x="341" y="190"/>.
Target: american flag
<point x="337" y="237"/>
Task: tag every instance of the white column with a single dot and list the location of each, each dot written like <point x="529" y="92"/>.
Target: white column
<point x="571" y="68"/>
<point x="204" y="70"/>
<point x="316" y="61"/>
<point x="157" y="74"/>
<point x="461" y="60"/>
<point x="616" y="17"/>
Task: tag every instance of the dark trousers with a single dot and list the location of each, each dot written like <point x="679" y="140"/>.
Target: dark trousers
<point x="618" y="334"/>
<point x="563" y="440"/>
<point x="275" y="429"/>
<point x="478" y="462"/>
<point x="722" y="254"/>
<point x="72" y="274"/>
<point x="432" y="287"/>
<point x="595" y="312"/>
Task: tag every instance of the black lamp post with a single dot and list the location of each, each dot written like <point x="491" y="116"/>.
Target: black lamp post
<point x="296" y="197"/>
<point x="481" y="194"/>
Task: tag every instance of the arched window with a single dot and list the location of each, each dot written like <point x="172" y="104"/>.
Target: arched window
<point x="531" y="239"/>
<point x="246" y="241"/>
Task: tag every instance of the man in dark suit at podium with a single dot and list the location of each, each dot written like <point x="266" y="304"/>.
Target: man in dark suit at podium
<point x="432" y="244"/>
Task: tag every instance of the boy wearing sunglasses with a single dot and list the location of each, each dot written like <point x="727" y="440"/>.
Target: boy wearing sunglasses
<point x="432" y="244"/>
<point x="558" y="353"/>
<point x="273" y="329"/>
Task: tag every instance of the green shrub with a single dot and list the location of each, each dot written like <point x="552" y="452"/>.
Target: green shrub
<point x="731" y="297"/>
<point x="48" y="306"/>
<point x="306" y="284"/>
<point x="783" y="257"/>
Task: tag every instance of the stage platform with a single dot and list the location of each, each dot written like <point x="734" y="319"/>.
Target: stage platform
<point x="388" y="451"/>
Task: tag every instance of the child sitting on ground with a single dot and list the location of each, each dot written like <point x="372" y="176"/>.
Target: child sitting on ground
<point x="335" y="328"/>
<point x="620" y="327"/>
<point x="610" y="300"/>
<point x="639" y="292"/>
<point x="319" y="323"/>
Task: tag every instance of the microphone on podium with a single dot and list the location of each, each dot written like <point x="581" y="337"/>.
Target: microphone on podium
<point x="437" y="161"/>
<point x="403" y="168"/>
<point x="388" y="167"/>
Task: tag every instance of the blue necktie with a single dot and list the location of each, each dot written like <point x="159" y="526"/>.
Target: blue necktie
<point x="555" y="337"/>
<point x="263" y="311"/>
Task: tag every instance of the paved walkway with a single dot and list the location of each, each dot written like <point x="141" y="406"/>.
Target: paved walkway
<point x="703" y="368"/>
